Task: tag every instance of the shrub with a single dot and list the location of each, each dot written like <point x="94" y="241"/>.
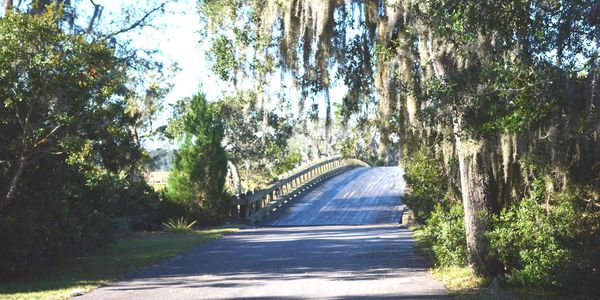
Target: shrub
<point x="70" y="214"/>
<point x="179" y="225"/>
<point x="421" y="206"/>
<point x="131" y="203"/>
<point x="62" y="168"/>
<point x="445" y="229"/>
<point x="584" y="275"/>
<point x="426" y="179"/>
<point x="531" y="239"/>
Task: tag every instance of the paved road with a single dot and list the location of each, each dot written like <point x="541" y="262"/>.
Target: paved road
<point x="375" y="260"/>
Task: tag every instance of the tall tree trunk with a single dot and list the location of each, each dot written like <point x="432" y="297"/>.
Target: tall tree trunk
<point x="384" y="113"/>
<point x="14" y="183"/>
<point x="383" y="149"/>
<point x="476" y="190"/>
<point x="328" y="122"/>
<point x="8" y="4"/>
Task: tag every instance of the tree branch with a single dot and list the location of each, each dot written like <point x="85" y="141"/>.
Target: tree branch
<point x="137" y="23"/>
<point x="12" y="189"/>
<point x="45" y="140"/>
<point x="97" y="13"/>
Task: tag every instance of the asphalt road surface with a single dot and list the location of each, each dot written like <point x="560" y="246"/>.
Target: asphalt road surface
<point x="365" y="255"/>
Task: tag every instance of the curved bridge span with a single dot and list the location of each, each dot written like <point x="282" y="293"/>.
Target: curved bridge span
<point x="359" y="196"/>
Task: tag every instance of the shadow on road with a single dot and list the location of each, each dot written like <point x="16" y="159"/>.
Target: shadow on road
<point x="333" y="262"/>
<point x="303" y="256"/>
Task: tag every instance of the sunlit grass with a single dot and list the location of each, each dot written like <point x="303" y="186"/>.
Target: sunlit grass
<point x="460" y="281"/>
<point x="458" y="278"/>
<point x="83" y="274"/>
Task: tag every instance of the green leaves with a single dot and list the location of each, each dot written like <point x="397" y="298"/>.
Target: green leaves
<point x="197" y="180"/>
<point x="60" y="91"/>
<point x="529" y="239"/>
<point x="64" y="115"/>
<point x="223" y="59"/>
<point x="445" y="228"/>
<point x="425" y="176"/>
<point x="180" y="225"/>
<point x="520" y="96"/>
<point x="260" y="151"/>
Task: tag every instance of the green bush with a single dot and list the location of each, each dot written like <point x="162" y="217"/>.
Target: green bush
<point x="443" y="218"/>
<point x="531" y="239"/>
<point x="347" y="148"/>
<point x="421" y="206"/>
<point x="445" y="229"/>
<point x="131" y="204"/>
<point x="70" y="214"/>
<point x="425" y="177"/>
<point x="584" y="274"/>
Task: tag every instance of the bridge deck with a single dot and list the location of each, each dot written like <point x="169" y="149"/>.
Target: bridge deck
<point x="360" y="196"/>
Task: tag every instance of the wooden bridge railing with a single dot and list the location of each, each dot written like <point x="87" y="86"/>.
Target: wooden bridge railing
<point x="253" y="207"/>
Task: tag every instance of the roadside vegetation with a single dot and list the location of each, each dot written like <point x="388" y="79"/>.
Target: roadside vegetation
<point x="70" y="161"/>
<point x="71" y="276"/>
<point x="538" y="243"/>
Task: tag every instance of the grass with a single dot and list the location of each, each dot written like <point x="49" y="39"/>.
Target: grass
<point x="83" y="274"/>
<point x="460" y="281"/>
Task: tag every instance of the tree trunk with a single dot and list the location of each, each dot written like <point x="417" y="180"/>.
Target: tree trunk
<point x="235" y="177"/>
<point x="328" y="122"/>
<point x="383" y="149"/>
<point x="12" y="189"/>
<point x="8" y="4"/>
<point x="476" y="186"/>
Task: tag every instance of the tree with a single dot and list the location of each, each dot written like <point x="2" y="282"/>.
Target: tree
<point x="68" y="152"/>
<point x="8" y="4"/>
<point x="258" y="153"/>
<point x="56" y="91"/>
<point x="200" y="165"/>
<point x="477" y="81"/>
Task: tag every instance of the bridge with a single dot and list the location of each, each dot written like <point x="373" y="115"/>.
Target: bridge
<point x="327" y="230"/>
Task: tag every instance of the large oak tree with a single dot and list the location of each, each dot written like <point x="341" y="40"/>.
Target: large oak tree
<point x="488" y="84"/>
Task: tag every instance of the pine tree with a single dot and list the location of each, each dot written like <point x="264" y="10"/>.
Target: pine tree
<point x="200" y="168"/>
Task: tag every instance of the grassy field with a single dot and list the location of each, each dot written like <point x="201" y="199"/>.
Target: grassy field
<point x="79" y="275"/>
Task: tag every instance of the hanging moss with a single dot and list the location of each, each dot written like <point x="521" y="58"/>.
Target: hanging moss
<point x="476" y="81"/>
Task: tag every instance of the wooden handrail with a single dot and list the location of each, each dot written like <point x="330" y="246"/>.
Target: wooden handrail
<point x="255" y="206"/>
